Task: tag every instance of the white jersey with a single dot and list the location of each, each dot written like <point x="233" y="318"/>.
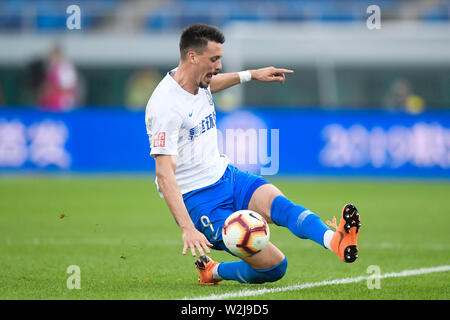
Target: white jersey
<point x="184" y="125"/>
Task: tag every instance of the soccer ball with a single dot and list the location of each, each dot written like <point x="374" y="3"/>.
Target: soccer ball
<point x="245" y="233"/>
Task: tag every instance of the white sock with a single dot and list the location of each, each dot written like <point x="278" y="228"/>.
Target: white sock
<point x="216" y="275"/>
<point x="327" y="239"/>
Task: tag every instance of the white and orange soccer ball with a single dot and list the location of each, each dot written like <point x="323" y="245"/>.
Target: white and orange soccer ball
<point x="245" y="233"/>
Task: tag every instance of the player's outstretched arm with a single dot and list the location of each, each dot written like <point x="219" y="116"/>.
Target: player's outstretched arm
<point x="223" y="81"/>
<point x="192" y="238"/>
<point x="270" y="74"/>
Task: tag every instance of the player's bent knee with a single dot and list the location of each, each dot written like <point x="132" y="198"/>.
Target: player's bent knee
<point x="272" y="274"/>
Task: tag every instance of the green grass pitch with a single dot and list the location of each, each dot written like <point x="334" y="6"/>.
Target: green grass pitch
<point x="127" y="245"/>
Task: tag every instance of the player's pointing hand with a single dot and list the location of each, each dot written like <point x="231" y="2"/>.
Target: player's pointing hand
<point x="270" y="74"/>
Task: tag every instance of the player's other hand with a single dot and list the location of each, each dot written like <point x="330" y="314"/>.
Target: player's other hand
<point x="270" y="74"/>
<point x="195" y="240"/>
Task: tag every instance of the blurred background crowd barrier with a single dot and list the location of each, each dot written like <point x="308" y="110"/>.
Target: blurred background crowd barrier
<point x="267" y="141"/>
<point x="382" y="94"/>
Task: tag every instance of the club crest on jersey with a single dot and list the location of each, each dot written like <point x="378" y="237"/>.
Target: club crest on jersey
<point x="160" y="140"/>
<point x="209" y="96"/>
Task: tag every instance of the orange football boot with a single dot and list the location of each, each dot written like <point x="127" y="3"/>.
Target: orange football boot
<point x="205" y="266"/>
<point x="345" y="239"/>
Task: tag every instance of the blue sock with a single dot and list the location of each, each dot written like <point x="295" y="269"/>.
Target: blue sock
<point x="241" y="271"/>
<point x="302" y="222"/>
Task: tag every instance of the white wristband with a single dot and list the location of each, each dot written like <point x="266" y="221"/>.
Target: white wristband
<point x="245" y="76"/>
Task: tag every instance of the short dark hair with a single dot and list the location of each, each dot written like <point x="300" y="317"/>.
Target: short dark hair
<point x="196" y="36"/>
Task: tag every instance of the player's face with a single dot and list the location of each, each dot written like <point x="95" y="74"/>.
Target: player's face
<point x="209" y="63"/>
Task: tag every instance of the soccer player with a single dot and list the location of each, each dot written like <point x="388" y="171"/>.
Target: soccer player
<point x="199" y="185"/>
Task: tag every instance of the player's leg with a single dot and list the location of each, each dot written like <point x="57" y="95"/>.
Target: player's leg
<point x="262" y="198"/>
<point x="275" y="207"/>
<point x="267" y="258"/>
<point x="209" y="207"/>
<point x="268" y="201"/>
<point x="269" y="265"/>
<point x="266" y="266"/>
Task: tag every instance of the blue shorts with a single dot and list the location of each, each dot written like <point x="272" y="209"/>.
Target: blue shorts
<point x="210" y="206"/>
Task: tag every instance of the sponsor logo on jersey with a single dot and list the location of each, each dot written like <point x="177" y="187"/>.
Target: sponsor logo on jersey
<point x="204" y="125"/>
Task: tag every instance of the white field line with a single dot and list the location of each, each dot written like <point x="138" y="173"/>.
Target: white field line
<point x="257" y="292"/>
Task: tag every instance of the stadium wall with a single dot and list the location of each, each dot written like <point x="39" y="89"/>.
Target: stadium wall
<point x="268" y="142"/>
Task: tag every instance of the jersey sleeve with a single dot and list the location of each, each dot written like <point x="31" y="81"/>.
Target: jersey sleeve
<point x="163" y="130"/>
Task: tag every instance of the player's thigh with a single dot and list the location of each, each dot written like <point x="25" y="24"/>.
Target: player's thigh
<point x="262" y="198"/>
<point x="266" y="259"/>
